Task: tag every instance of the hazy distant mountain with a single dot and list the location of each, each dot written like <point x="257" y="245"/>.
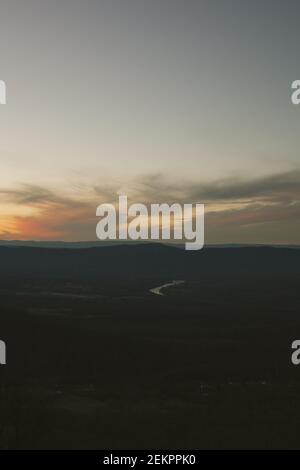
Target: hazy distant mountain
<point x="59" y="244"/>
<point x="99" y="243"/>
<point x="143" y="261"/>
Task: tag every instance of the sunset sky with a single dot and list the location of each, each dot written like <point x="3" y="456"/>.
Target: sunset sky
<point x="162" y="100"/>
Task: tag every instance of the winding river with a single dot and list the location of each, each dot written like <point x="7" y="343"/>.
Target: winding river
<point x="157" y="290"/>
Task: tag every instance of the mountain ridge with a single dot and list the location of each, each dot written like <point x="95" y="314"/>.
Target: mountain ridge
<point x="143" y="261"/>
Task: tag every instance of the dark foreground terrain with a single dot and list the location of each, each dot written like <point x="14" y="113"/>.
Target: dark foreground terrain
<point x="95" y="360"/>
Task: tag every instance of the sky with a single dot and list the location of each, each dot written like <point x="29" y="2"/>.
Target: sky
<point x="162" y="100"/>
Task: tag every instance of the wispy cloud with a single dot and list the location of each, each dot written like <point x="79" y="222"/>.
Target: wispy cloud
<point x="277" y="187"/>
<point x="255" y="210"/>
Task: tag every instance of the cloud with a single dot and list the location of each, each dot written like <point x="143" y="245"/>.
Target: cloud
<point x="53" y="215"/>
<point x="278" y="187"/>
<point x="34" y="196"/>
<point x="260" y="210"/>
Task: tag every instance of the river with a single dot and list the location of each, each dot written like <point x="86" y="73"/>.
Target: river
<point x="157" y="290"/>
